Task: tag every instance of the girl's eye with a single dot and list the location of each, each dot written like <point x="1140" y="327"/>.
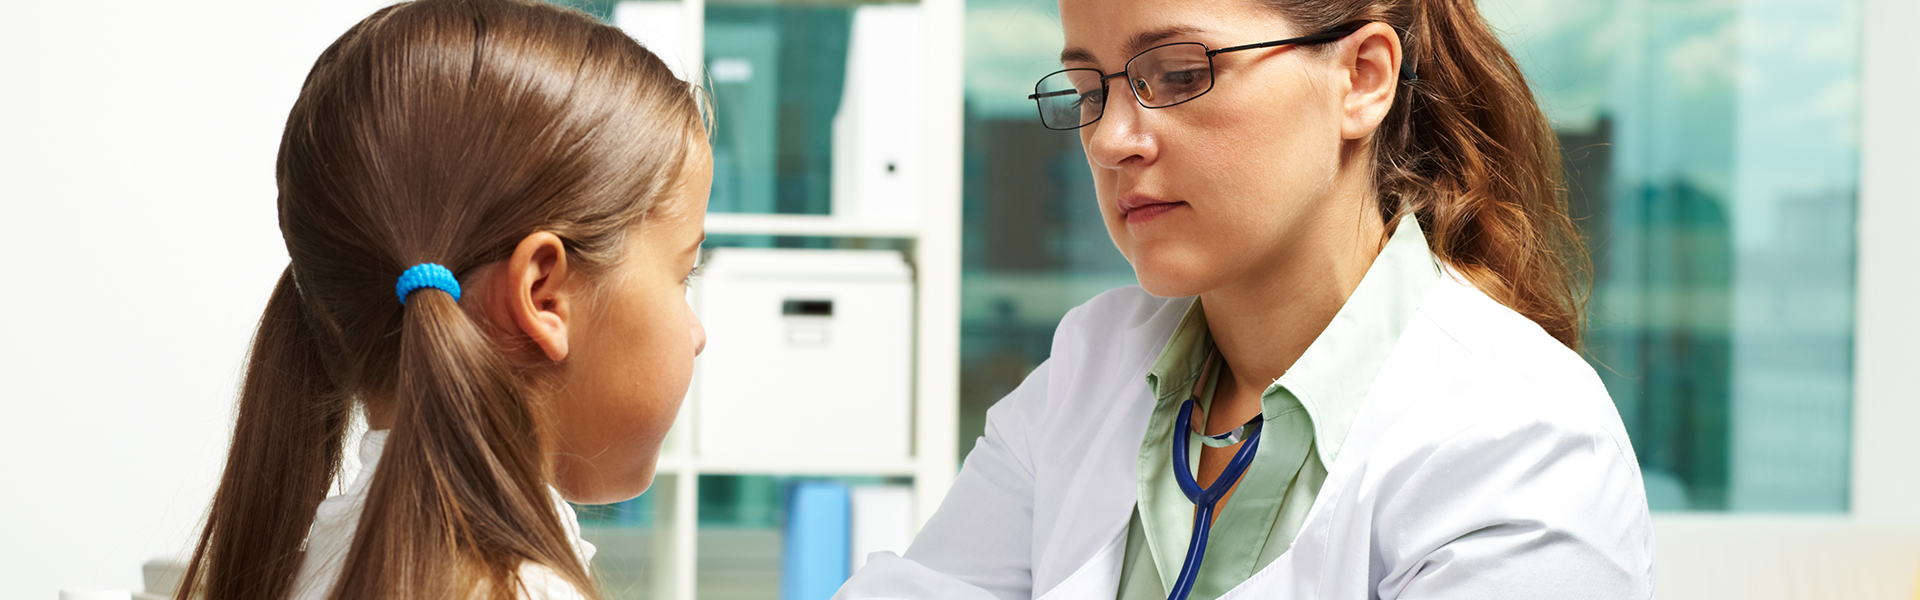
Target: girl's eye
<point x="693" y="274"/>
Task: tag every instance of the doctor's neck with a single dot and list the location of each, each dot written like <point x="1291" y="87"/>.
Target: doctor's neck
<point x="1262" y="320"/>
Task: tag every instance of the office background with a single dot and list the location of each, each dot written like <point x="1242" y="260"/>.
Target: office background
<point x="1739" y="165"/>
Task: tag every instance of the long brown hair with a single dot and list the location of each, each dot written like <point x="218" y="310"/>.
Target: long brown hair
<point x="440" y="131"/>
<point x="1468" y="151"/>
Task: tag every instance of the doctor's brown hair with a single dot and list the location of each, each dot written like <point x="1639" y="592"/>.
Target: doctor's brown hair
<point x="1467" y="150"/>
<point x="441" y="131"/>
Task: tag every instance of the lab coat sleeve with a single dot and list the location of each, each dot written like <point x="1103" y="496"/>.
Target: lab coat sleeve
<point x="1529" y="505"/>
<point x="978" y="545"/>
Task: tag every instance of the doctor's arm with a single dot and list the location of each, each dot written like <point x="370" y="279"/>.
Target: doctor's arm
<point x="1517" y="508"/>
<point x="978" y="545"/>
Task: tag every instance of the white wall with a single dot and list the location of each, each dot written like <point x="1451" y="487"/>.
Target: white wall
<point x="1886" y="471"/>
<point x="137" y="223"/>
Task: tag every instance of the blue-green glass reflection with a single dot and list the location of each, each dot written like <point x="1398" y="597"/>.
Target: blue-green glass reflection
<point x="777" y="73"/>
<point x="1713" y="156"/>
<point x="600" y="9"/>
<point x="1711" y="148"/>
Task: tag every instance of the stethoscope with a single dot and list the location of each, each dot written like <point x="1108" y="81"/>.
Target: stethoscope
<point x="1206" y="498"/>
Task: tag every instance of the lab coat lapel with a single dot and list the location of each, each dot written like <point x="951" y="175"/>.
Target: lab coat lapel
<point x="1096" y="579"/>
<point x="1312" y="566"/>
<point x="1087" y="544"/>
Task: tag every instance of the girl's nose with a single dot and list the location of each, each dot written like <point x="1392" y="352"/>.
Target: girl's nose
<point x="699" y="333"/>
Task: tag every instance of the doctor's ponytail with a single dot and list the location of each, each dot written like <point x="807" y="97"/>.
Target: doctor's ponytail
<point x="1468" y="151"/>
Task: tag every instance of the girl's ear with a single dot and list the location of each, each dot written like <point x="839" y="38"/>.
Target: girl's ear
<point x="1372" y="58"/>
<point x="534" y="295"/>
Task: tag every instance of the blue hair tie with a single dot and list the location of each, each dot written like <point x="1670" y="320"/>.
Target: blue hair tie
<point x="427" y="275"/>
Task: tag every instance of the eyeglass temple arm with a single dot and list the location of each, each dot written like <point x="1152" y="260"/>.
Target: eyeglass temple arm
<point x="1103" y="83"/>
<point x="1052" y="94"/>
<point x="1406" y="63"/>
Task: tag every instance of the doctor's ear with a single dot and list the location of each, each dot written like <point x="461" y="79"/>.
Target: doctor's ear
<point x="533" y="293"/>
<point x="1374" y="64"/>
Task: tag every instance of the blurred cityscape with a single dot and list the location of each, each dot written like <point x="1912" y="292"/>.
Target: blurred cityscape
<point x="1711" y="157"/>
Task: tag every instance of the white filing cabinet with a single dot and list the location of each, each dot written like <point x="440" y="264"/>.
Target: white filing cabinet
<point x="808" y="355"/>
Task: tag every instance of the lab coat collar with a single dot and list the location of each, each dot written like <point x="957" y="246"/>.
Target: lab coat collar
<point x="1334" y="375"/>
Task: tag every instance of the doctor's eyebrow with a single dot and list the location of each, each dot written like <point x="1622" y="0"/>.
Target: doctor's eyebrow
<point x="1138" y="42"/>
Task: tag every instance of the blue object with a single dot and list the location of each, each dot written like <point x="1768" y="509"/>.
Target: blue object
<point x="427" y="275"/>
<point x="1205" y="498"/>
<point x="817" y="548"/>
<point x="815" y="553"/>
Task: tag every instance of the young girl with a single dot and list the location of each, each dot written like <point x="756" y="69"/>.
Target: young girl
<point x="492" y="207"/>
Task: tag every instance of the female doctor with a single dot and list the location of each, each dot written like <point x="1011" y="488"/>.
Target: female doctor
<point x="1350" y="369"/>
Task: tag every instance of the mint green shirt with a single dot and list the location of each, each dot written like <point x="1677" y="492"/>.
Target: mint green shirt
<point x="1308" y="412"/>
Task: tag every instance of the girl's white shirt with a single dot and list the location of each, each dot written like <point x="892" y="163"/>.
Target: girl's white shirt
<point x="334" y="524"/>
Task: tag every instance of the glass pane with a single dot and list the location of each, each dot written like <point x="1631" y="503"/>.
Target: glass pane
<point x="743" y="519"/>
<point x="778" y="72"/>
<point x="622" y="536"/>
<point x="1711" y="148"/>
<point x="744" y="525"/>
<point x="1712" y="158"/>
<point x="1033" y="245"/>
<point x="739" y="542"/>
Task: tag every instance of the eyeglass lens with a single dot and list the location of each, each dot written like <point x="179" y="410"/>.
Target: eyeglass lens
<point x="1159" y="78"/>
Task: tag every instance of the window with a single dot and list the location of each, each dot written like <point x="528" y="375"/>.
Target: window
<point x="1711" y="152"/>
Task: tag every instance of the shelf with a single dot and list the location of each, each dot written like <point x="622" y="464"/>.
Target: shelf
<point x="802" y="225"/>
<point x="931" y="241"/>
<point x="799" y="466"/>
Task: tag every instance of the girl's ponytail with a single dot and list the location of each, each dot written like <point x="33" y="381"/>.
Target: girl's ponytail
<point x="1467" y="150"/>
<point x="460" y="495"/>
<point x="286" y="449"/>
<point x="443" y="130"/>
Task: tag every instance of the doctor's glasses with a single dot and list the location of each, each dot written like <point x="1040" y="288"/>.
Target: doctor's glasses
<point x="1159" y="77"/>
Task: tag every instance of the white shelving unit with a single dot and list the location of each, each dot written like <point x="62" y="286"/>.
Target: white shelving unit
<point x="935" y="255"/>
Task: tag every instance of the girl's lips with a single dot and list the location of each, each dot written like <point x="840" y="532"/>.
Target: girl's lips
<point x="1149" y="212"/>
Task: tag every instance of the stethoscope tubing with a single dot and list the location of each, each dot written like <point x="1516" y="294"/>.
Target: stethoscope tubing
<point x="1196" y="550"/>
<point x="1204" y="498"/>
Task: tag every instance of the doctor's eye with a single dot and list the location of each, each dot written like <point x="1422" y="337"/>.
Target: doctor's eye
<point x="1183" y="81"/>
<point x="1093" y="97"/>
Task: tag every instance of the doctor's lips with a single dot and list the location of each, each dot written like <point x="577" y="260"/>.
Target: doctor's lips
<point x="1137" y="208"/>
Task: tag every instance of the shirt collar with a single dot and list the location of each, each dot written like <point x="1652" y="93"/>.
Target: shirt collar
<point x="1172" y="376"/>
<point x="1332" y="378"/>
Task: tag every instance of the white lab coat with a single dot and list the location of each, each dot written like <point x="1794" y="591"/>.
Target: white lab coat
<point x="1486" y="462"/>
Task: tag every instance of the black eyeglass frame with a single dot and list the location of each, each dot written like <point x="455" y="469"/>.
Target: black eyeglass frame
<point x="1331" y="35"/>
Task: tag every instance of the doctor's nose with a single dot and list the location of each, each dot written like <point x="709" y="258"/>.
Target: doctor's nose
<point x="1120" y="138"/>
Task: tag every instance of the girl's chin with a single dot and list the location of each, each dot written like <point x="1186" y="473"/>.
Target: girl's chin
<point x="604" y="487"/>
